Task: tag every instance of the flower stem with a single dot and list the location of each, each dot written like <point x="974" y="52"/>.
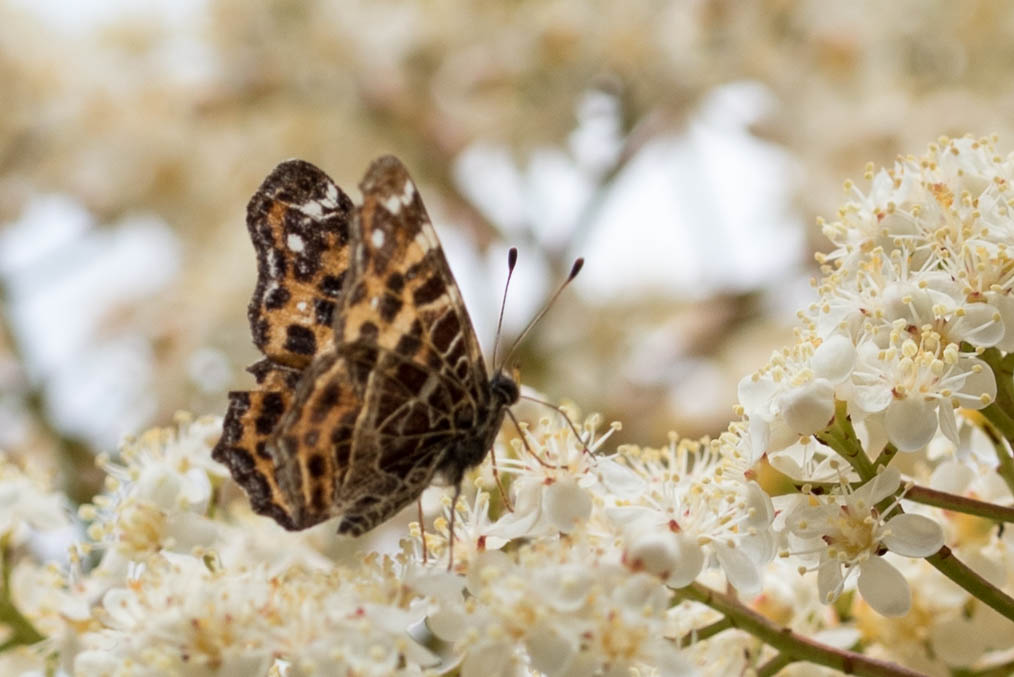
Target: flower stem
<point x="777" y="483"/>
<point x="706" y="632"/>
<point x="841" y="437"/>
<point x="885" y="456"/>
<point x="1002" y="670"/>
<point x="793" y="646"/>
<point x="954" y="503"/>
<point x="946" y="563"/>
<point x="999" y="420"/>
<point x="773" y="666"/>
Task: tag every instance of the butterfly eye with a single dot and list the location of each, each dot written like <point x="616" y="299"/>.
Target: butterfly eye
<point x="506" y="388"/>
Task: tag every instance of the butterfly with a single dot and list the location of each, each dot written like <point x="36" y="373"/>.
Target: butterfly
<point x="373" y="383"/>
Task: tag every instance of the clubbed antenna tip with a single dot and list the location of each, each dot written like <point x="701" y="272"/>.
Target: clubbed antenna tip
<point x="575" y="269"/>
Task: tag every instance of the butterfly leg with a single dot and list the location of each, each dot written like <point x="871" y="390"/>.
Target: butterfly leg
<point x="499" y="484"/>
<point x="422" y="529"/>
<point x="524" y="441"/>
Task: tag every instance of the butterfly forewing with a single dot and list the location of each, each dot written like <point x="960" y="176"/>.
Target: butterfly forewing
<point x="403" y="296"/>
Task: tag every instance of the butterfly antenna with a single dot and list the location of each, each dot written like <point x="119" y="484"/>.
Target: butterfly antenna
<point x="512" y="260"/>
<point x="574" y="270"/>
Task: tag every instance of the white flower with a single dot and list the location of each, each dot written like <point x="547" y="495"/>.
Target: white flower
<point x="916" y="385"/>
<point x="686" y="505"/>
<point x="850" y="534"/>
<point x="157" y="498"/>
<point x="180" y="615"/>
<point x="566" y="612"/>
<point x="551" y="493"/>
<point x="794" y="394"/>
<point x="27" y="504"/>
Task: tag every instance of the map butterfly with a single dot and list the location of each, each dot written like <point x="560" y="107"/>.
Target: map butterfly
<point x="373" y="383"/>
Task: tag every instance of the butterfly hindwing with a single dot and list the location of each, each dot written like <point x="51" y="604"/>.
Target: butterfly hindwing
<point x="251" y="419"/>
<point x="313" y="442"/>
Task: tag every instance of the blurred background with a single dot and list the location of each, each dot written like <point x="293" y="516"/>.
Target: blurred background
<point x="683" y="148"/>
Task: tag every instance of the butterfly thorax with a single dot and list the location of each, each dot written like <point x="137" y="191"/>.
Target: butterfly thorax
<point x="472" y="449"/>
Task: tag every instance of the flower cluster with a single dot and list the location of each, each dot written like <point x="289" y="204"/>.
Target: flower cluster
<point x="854" y="502"/>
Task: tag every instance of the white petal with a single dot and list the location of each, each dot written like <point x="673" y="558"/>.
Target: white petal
<point x="913" y="535"/>
<point x="196" y="490"/>
<point x="526" y="514"/>
<point x="159" y="485"/>
<point x="949" y="424"/>
<point x="904" y="300"/>
<point x="654" y="551"/>
<point x="780" y="435"/>
<point x="979" y="389"/>
<point x="94" y="662"/>
<point x="956" y="641"/>
<point x="1005" y="304"/>
<point x="760" y="547"/>
<point x="884" y="588"/>
<point x="952" y="477"/>
<point x="872" y="398"/>
<point x="978" y="325"/>
<point x="911" y="423"/>
<point x="880" y="487"/>
<point x="488" y="660"/>
<point x="808" y="521"/>
<point x="566" y="504"/>
<point x="689" y="562"/>
<point x="829" y="580"/>
<point x="581" y="665"/>
<point x="565" y="588"/>
<point x="620" y="480"/>
<point x="834" y="358"/>
<point x="548" y="651"/>
<point x="489" y="565"/>
<point x="756" y="395"/>
<point x="808" y="408"/>
<point x="760" y="436"/>
<point x="740" y="570"/>
<point x="759" y="507"/>
<point x="448" y="623"/>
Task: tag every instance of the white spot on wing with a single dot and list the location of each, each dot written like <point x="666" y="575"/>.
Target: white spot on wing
<point x="392" y="204"/>
<point x="301" y="306"/>
<point x="422" y="241"/>
<point x="374" y="302"/>
<point x="312" y="209"/>
<point x="295" y="243"/>
<point x="408" y="192"/>
<point x="332" y="195"/>
<point x="377" y="238"/>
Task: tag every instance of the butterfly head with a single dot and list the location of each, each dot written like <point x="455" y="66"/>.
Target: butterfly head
<point x="505" y="389"/>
